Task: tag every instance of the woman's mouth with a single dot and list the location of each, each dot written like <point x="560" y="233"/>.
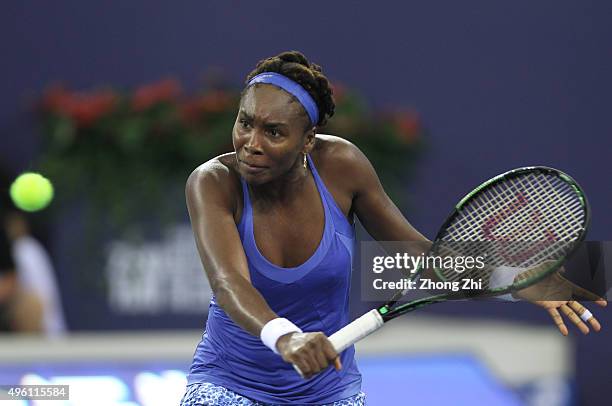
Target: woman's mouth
<point x="252" y="168"/>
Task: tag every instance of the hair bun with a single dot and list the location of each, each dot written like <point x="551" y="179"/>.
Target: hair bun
<point x="296" y="67"/>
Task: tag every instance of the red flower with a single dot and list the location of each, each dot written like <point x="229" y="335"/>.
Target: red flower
<point x="339" y="92"/>
<point x="216" y="101"/>
<point x="83" y="107"/>
<point x="151" y="94"/>
<point x="408" y="125"/>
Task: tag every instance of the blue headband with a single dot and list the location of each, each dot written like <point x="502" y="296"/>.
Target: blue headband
<point x="291" y="87"/>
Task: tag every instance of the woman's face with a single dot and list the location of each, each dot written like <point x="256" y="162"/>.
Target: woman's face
<point x="269" y="134"/>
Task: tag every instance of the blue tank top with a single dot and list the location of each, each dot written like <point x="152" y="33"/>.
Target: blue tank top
<point x="313" y="295"/>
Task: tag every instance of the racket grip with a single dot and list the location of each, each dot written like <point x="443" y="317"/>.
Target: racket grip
<point x="355" y="331"/>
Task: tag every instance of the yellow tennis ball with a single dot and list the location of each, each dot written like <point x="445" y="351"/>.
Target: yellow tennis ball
<point x="31" y="191"/>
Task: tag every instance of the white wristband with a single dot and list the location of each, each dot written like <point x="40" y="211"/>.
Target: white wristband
<point x="503" y="276"/>
<point x="508" y="297"/>
<point x="274" y="329"/>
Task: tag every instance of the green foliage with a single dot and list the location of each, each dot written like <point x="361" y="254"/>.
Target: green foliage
<point x="128" y="154"/>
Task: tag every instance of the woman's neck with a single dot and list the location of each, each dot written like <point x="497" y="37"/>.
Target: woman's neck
<point x="283" y="190"/>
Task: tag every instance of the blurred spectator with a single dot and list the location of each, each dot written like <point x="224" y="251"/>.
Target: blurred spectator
<point x="20" y="310"/>
<point x="29" y="295"/>
<point x="38" y="306"/>
<point x="7" y="283"/>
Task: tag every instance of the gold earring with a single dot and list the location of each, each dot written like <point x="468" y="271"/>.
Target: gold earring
<point x="305" y="164"/>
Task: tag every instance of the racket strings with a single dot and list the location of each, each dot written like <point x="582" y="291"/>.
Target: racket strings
<point x="491" y="198"/>
<point x="558" y="203"/>
<point x="468" y="225"/>
<point x="526" y="225"/>
<point x="521" y="221"/>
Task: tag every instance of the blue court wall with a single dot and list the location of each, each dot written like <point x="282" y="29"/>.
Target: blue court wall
<point x="498" y="84"/>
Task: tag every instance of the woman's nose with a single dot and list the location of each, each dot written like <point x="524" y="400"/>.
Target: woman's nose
<point x="253" y="144"/>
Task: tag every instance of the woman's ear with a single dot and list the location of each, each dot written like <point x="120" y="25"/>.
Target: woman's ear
<point x="310" y="139"/>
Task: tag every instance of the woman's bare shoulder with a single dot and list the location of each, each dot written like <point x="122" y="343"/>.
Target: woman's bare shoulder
<point x="218" y="175"/>
<point x="341" y="165"/>
<point x="336" y="154"/>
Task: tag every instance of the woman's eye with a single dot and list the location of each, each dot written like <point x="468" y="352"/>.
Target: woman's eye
<point x="244" y="124"/>
<point x="273" y="132"/>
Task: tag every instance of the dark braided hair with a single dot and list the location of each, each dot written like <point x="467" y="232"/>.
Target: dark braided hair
<point x="295" y="66"/>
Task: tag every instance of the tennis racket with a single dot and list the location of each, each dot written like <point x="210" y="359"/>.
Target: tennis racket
<point x="530" y="219"/>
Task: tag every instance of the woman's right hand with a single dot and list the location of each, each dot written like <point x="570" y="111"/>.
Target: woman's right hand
<point x="309" y="352"/>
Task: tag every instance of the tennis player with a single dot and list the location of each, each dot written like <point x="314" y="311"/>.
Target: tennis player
<point x="273" y="223"/>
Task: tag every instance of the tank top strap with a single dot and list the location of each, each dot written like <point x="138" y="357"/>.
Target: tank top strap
<point x="261" y="264"/>
<point x="246" y="220"/>
<point x="329" y="204"/>
<point x="341" y="223"/>
<point x="320" y="185"/>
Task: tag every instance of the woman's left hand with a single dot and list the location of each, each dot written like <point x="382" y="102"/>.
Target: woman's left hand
<point x="547" y="293"/>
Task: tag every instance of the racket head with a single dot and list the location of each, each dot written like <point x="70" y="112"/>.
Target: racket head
<point x="530" y="218"/>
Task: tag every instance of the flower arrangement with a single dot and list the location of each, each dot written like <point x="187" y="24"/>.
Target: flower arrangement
<point x="129" y="153"/>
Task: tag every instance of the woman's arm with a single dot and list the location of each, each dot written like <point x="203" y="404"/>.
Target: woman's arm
<point x="376" y="211"/>
<point x="382" y="219"/>
<point x="211" y="203"/>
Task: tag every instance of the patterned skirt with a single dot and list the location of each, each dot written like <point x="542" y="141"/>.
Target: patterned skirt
<point x="208" y="394"/>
